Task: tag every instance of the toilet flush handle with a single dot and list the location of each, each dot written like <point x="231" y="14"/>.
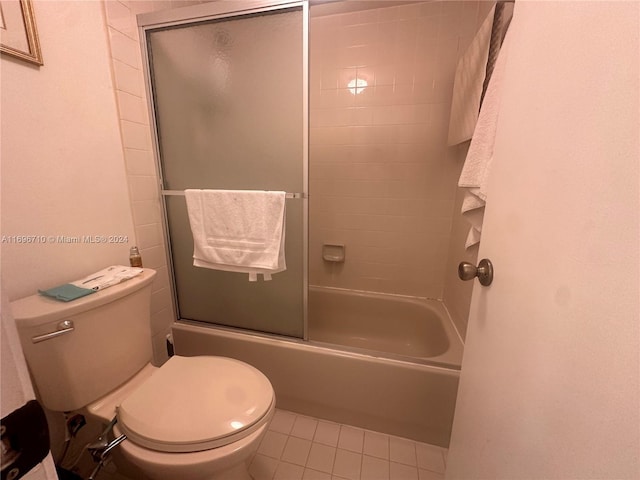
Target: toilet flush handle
<point x="65" y="326"/>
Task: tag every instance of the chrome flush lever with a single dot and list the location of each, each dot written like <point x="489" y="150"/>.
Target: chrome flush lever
<point x="65" y="326"/>
<point x="484" y="272"/>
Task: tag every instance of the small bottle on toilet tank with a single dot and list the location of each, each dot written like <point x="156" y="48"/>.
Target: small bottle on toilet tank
<point x="135" y="260"/>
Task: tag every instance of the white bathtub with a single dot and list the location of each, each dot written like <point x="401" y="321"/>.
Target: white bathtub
<point x="394" y="393"/>
<point x="398" y="326"/>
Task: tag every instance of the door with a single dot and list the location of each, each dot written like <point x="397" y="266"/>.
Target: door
<point x="549" y="382"/>
<point x="229" y="94"/>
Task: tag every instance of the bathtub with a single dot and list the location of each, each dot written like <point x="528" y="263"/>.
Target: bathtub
<point x="353" y="381"/>
<point x="415" y="329"/>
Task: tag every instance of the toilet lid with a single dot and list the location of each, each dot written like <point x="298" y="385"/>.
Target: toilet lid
<point x="197" y="403"/>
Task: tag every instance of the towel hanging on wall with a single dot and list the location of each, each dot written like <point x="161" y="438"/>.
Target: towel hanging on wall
<point x="477" y="165"/>
<point x="238" y="230"/>
<point x="468" y="82"/>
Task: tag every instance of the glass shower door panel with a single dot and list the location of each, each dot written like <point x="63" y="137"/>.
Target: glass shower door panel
<point x="228" y="97"/>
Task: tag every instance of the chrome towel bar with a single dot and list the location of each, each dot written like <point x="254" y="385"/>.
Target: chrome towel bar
<point x="181" y="193"/>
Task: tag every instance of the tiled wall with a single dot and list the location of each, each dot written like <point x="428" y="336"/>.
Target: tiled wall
<point x="137" y="146"/>
<point x="382" y="180"/>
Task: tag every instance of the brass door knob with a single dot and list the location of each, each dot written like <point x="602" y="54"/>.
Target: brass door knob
<point x="484" y="272"/>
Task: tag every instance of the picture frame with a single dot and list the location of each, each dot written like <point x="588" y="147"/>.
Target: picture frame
<point x="18" y="33"/>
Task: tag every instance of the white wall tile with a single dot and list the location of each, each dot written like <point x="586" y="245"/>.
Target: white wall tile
<point x="147" y="211"/>
<point x="159" y="346"/>
<point x="120" y="17"/>
<point x="135" y="135"/>
<point x="127" y="78"/>
<point x="132" y="107"/>
<point x="153" y="257"/>
<point x="149" y="235"/>
<point x="124" y="48"/>
<point x="139" y="162"/>
<point x="162" y="279"/>
<point x="161" y="321"/>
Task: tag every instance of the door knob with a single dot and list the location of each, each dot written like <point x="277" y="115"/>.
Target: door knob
<point x="484" y="272"/>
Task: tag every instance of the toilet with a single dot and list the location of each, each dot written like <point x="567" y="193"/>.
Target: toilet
<point x="193" y="418"/>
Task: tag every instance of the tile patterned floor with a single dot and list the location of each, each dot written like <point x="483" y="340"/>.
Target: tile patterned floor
<point x="297" y="447"/>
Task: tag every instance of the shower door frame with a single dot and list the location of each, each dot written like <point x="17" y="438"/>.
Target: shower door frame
<point x="229" y="9"/>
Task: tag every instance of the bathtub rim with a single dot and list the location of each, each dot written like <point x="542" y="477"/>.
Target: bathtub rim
<point x="299" y="343"/>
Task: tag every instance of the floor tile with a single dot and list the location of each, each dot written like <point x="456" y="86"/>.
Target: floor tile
<point x="296" y="451"/>
<point x="321" y="457"/>
<point x="304" y="427"/>
<point x="374" y="468"/>
<point x="263" y="468"/>
<point x="299" y="447"/>
<point x="282" y="422"/>
<point x="310" y="474"/>
<point x="402" y="451"/>
<point x="428" y="475"/>
<point x="327" y="433"/>
<point x="430" y="457"/>
<point x="272" y="444"/>
<point x="398" y="471"/>
<point x="347" y="464"/>
<point x="287" y="471"/>
<point x="376" y="445"/>
<point x="351" y="439"/>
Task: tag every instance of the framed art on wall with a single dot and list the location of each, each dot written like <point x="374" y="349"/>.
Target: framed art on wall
<point x="18" y="34"/>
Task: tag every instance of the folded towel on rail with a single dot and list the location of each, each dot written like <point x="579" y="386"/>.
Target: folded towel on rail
<point x="468" y="83"/>
<point x="238" y="230"/>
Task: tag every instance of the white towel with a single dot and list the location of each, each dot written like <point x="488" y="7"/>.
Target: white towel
<point x="107" y="277"/>
<point x="467" y="85"/>
<point x="477" y="165"/>
<point x="238" y="230"/>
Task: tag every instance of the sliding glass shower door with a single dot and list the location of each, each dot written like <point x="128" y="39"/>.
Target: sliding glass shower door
<point x="229" y="99"/>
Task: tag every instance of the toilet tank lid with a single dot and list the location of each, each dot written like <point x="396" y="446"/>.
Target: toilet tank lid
<point x="197" y="403"/>
<point x="38" y="309"/>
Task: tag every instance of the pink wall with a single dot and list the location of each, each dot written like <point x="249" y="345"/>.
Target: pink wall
<point x="63" y="174"/>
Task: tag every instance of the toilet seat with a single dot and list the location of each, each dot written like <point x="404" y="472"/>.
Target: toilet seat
<point x="199" y="403"/>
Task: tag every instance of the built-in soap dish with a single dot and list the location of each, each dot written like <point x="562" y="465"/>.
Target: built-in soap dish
<point x="333" y="253"/>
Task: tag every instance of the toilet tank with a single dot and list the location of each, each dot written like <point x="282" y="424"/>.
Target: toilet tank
<point x="110" y="341"/>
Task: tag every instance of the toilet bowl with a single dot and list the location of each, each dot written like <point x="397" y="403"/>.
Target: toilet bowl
<point x="193" y="418"/>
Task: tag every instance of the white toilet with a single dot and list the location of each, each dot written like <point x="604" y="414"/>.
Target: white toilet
<point x="192" y="418"/>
